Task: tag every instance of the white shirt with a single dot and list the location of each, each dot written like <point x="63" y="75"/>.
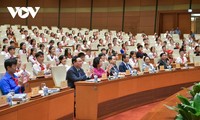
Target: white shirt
<point x="21" y="52"/>
<point x="3" y="53"/>
<point x="64" y="43"/>
<point x="52" y="58"/>
<point x="76" y="52"/>
<point x="43" y="41"/>
<point x="89" y="57"/>
<point x="152" y="55"/>
<point x="180" y="61"/>
<point x="133" y="63"/>
<point x="32" y="59"/>
<point x="59" y="51"/>
<point x="67" y="67"/>
<point x="37" y="68"/>
<point x="19" y="73"/>
<point x="8" y="56"/>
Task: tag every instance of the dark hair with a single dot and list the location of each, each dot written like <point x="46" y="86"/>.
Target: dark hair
<point x="21" y="44"/>
<point x="81" y="54"/>
<point x="181" y="50"/>
<point x="103" y="49"/>
<point x="196" y="47"/>
<point x="110" y="58"/>
<point x="96" y="61"/>
<point x="87" y="50"/>
<point x="84" y="41"/>
<point x="66" y="52"/>
<point x="11" y="42"/>
<point x="50" y="48"/>
<point x="39" y="54"/>
<point x="51" y="41"/>
<point x="5" y="39"/>
<point x="101" y="54"/>
<point x="77" y="46"/>
<point x="61" y="58"/>
<point x="132" y="53"/>
<point x="11" y="48"/>
<point x="41" y="45"/>
<point x="4" y="47"/>
<point x="146" y="57"/>
<point x="162" y="54"/>
<point x="109" y="44"/>
<point x="32" y="49"/>
<point x="139" y="46"/>
<point x="124" y="56"/>
<point x="32" y="40"/>
<point x="152" y="48"/>
<point x="146" y="44"/>
<point x="163" y="46"/>
<point x="58" y="43"/>
<point x="62" y="38"/>
<point x="10" y="62"/>
<point x="74" y="59"/>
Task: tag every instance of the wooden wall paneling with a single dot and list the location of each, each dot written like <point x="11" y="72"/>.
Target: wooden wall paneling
<point x="132" y="22"/>
<point x="82" y="20"/>
<point x="184" y="22"/>
<point x="168" y="22"/>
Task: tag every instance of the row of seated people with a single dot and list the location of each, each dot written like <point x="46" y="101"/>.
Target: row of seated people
<point x="15" y="78"/>
<point x="35" y="54"/>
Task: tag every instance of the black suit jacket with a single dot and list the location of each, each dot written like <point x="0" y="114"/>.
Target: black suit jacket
<point x="123" y="68"/>
<point x="73" y="76"/>
<point x="114" y="69"/>
<point x="164" y="63"/>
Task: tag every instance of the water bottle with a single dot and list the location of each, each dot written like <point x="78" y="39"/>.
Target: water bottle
<point x="186" y="66"/>
<point x="45" y="90"/>
<point x="10" y="96"/>
<point x="169" y="67"/>
<point x="95" y="78"/>
<point x="134" y="72"/>
<point x="115" y="74"/>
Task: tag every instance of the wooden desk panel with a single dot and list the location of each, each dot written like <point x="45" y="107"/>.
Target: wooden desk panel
<point x="56" y="106"/>
<point x="160" y="112"/>
<point x="98" y="100"/>
<point x="34" y="83"/>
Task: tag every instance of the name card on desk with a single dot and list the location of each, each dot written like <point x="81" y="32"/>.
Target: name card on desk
<point x="41" y="73"/>
<point x="196" y="64"/>
<point x="146" y="70"/>
<point x="162" y="67"/>
<point x="128" y="72"/>
<point x="35" y="91"/>
<point x="3" y="100"/>
<point x="178" y="66"/>
<point x="63" y="84"/>
<point x="104" y="76"/>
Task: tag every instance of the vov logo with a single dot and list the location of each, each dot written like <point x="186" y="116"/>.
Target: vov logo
<point x="23" y="12"/>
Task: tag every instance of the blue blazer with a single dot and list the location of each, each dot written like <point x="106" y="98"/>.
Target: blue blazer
<point x="123" y="68"/>
<point x="73" y="76"/>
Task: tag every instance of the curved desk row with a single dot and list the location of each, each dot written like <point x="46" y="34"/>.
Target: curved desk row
<point x="58" y="106"/>
<point x="99" y="100"/>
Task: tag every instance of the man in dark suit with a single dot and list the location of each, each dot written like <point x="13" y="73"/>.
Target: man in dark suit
<point x="76" y="73"/>
<point x="163" y="61"/>
<point x="124" y="64"/>
<point x="112" y="61"/>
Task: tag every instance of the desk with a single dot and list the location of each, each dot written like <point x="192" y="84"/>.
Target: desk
<point x="58" y="106"/>
<point x="34" y="83"/>
<point x="160" y="112"/>
<point x="99" y="100"/>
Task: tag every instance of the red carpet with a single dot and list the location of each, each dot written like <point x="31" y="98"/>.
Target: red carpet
<point x="133" y="114"/>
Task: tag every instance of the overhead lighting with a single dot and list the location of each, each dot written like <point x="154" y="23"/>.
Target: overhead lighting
<point x="189" y="10"/>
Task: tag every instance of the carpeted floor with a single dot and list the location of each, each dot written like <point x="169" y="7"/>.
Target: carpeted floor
<point x="133" y="114"/>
